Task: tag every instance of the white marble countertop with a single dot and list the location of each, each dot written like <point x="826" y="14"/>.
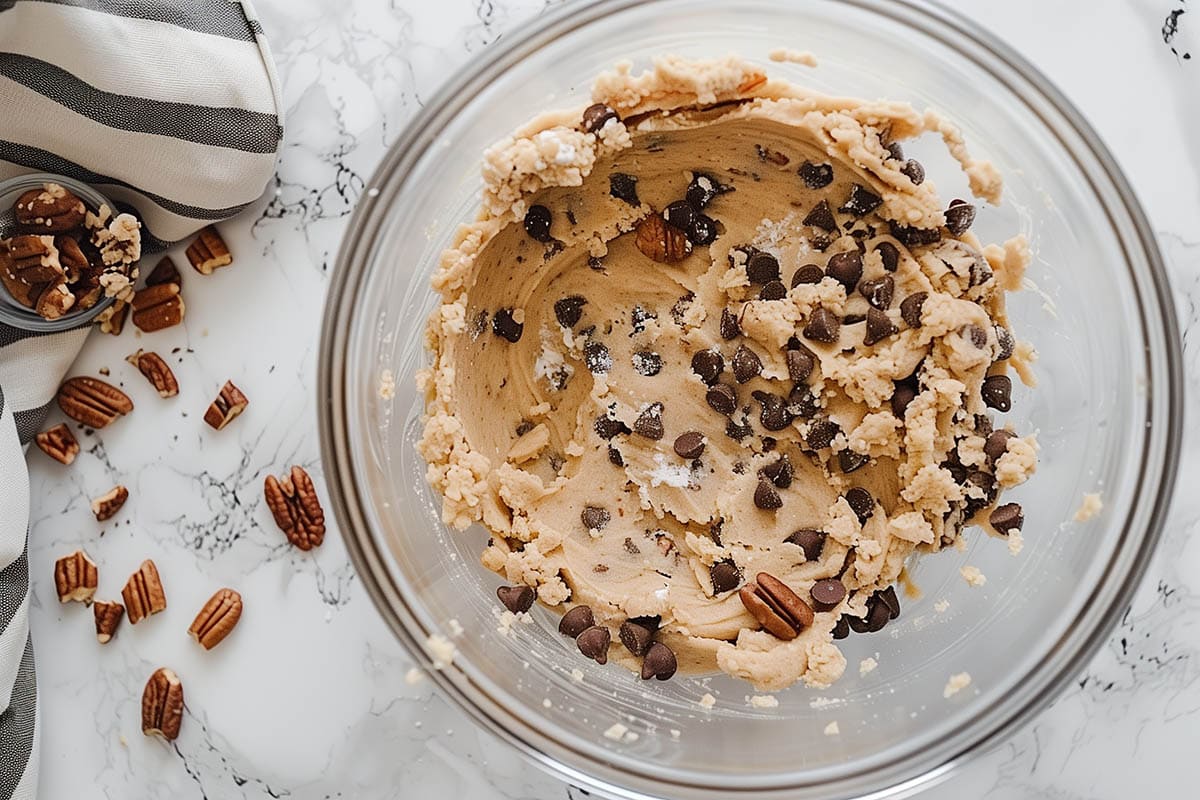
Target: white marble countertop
<point x="308" y="697"/>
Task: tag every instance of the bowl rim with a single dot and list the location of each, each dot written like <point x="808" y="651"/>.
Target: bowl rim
<point x="991" y="724"/>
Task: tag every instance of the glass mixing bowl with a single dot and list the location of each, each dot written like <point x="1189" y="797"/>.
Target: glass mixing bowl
<point x="1107" y="413"/>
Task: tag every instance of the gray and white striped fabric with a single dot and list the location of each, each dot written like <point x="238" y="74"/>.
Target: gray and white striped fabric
<point x="171" y="109"/>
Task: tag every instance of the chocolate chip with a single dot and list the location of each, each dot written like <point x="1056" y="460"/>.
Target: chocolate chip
<point x="809" y="273"/>
<point x="775" y="290"/>
<point x="779" y="472"/>
<point x="846" y="269"/>
<point x="762" y="268"/>
<point x="895" y="150"/>
<point x="861" y="503"/>
<point x="636" y="638"/>
<point x="689" y="445"/>
<point x="901" y="397"/>
<point x="878" y="616"/>
<point x="614" y="457"/>
<point x="722" y="398"/>
<point x="853" y="319"/>
<point x="889" y="254"/>
<point x="800" y="364"/>
<point x="1006" y="342"/>
<point x="802" y="402"/>
<point x="649" y="423"/>
<point x="596" y="116"/>
<point x="841" y="628"/>
<point x="595" y="518"/>
<point x="987" y="484"/>
<point x="708" y="364"/>
<point x="596" y="356"/>
<point x="738" y="430"/>
<point x="1007" y="518"/>
<point x="910" y="308"/>
<point x="810" y="541"/>
<point x="912" y="237"/>
<point x="702" y="231"/>
<point x="568" y="310"/>
<point x="595" y="263"/>
<point x="731" y="327"/>
<point x="725" y="576"/>
<point x="638" y="318"/>
<point x="888" y="599"/>
<point x="879" y="327"/>
<point x="647" y="363"/>
<point x="701" y="191"/>
<point x="524" y="427"/>
<point x="827" y="593"/>
<point x="659" y="662"/>
<point x="607" y="427"/>
<point x="576" y="621"/>
<point x="879" y="292"/>
<point x="623" y="187"/>
<point x="680" y="214"/>
<point x="997" y="392"/>
<point x="914" y="171"/>
<point x="849" y="461"/>
<point x="860" y="624"/>
<point x="976" y="335"/>
<point x="774" y="415"/>
<point x="816" y="176"/>
<point x="746" y="364"/>
<point x="821" y="434"/>
<point x="537" y="223"/>
<point x="861" y="201"/>
<point x="517" y="599"/>
<point x="959" y="217"/>
<point x="504" y="326"/>
<point x="594" y="643"/>
<point x="822" y="326"/>
<point x="765" y="496"/>
<point x="821" y="217"/>
<point x="997" y="443"/>
<point x="680" y="308"/>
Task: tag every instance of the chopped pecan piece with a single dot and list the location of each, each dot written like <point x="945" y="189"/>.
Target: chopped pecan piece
<point x="92" y="402"/>
<point x="208" y="251"/>
<point x="156" y="371"/>
<point x="108" y="616"/>
<point x="229" y="403"/>
<point x="143" y="593"/>
<point x="158" y="307"/>
<point x="164" y="272"/>
<point x="76" y="578"/>
<point x="218" y="617"/>
<point x="112" y="319"/>
<point x="108" y="504"/>
<point x="54" y="300"/>
<point x="661" y="241"/>
<point x="162" y="705"/>
<point x="297" y="510"/>
<point x="58" y="443"/>
<point x="52" y="209"/>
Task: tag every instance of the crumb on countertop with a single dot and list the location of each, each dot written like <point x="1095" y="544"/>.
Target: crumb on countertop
<point x="616" y="732"/>
<point x="577" y="675"/>
<point x="956" y="684"/>
<point x="387" y="385"/>
<point x="442" y="650"/>
<point x="1016" y="542"/>
<point x="764" y="701"/>
<point x="867" y="665"/>
<point x="707" y="701"/>
<point x="788" y="55"/>
<point x="973" y="576"/>
<point x="1091" y="506"/>
<point x="414" y="676"/>
<point x="832" y="729"/>
<point x="942" y="606"/>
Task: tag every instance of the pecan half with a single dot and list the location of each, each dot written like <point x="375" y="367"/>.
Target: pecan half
<point x="108" y="616"/>
<point x="108" y="504"/>
<point x="208" y="251"/>
<point x="58" y="443"/>
<point x="92" y="402"/>
<point x="52" y="209"/>
<point x="162" y="705"/>
<point x="164" y="271"/>
<point x="143" y="593"/>
<point x="218" y="617"/>
<point x="33" y="260"/>
<point x="112" y="319"/>
<point x="158" y="307"/>
<point x="75" y="578"/>
<point x="229" y="403"/>
<point x="156" y="371"/>
<point x="776" y="607"/>
<point x="661" y="241"/>
<point x="297" y="510"/>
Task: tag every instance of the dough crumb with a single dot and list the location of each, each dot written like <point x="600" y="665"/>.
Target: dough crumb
<point x="764" y="701"/>
<point x="1092" y="505"/>
<point x="707" y="701"/>
<point x="832" y="729"/>
<point x="616" y="732"/>
<point x="973" y="576"/>
<point x="387" y="385"/>
<point x="675" y="733"/>
<point x="442" y="650"/>
<point x="941" y="606"/>
<point x="956" y="684"/>
<point x="414" y="676"/>
<point x="456" y="629"/>
<point x="781" y="55"/>
<point x="577" y="675"/>
<point x="1016" y="542"/>
<point x="547" y="704"/>
<point x="867" y="665"/>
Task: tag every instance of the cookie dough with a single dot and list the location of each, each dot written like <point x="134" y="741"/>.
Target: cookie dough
<point x="718" y="325"/>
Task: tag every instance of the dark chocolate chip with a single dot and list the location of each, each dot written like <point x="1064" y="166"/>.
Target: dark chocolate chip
<point x="701" y="191"/>
<point x="810" y="541"/>
<point x="595" y="518"/>
<point x="594" y="643"/>
<point x="722" y="398"/>
<point x="659" y="662"/>
<point x="537" y="223"/>
<point x="997" y="392"/>
<point x="689" y="445"/>
<point x="568" y="310"/>
<point x="1006" y="342"/>
<point x="976" y="335"/>
<point x="914" y="170"/>
<point x="702" y="231"/>
<point x="889" y="254"/>
<point x="816" y="176"/>
<point x="779" y="472"/>
<point x="638" y="318"/>
<point x="800" y="364"/>
<point x="860" y="624"/>
<point x="997" y="443"/>
<point x="878" y="615"/>
<point x="984" y="481"/>
<point x="879" y="292"/>
<point x="827" y="593"/>
<point x="1007" y="518"/>
<point x="895" y="151"/>
<point x="853" y="319"/>
<point x="708" y="364"/>
<point x="596" y="356"/>
<point x="888" y="599"/>
<point x="614" y="457"/>
<point x="636" y="638"/>
<point x="607" y="427"/>
<point x="647" y="363"/>
<point x="738" y="430"/>
<point x="679" y="214"/>
<point x="849" y="461"/>
<point x="802" y="402"/>
<point x="746" y="364"/>
<point x="596" y="116"/>
<point x="822" y="326"/>
<point x="959" y="217"/>
<point x="901" y="397"/>
<point x="861" y="201"/>
<point x="774" y="415"/>
<point x="725" y="576"/>
<point x="765" y="496"/>
<point x="731" y="327"/>
<point x="822" y="217"/>
<point x="775" y="290"/>
<point x="912" y="237"/>
<point x="846" y="269"/>
<point x="504" y="326"/>
<point x="595" y="263"/>
<point x="821" y="434"/>
<point x="762" y="268"/>
<point x="861" y="503"/>
<point x="524" y="427"/>
<point x="842" y="628"/>
<point x="576" y="621"/>
<point x="809" y="273"/>
<point x="649" y="423"/>
<point x="879" y="327"/>
<point x="910" y="308"/>
<point x="517" y="599"/>
<point x="623" y="187"/>
<point x="773" y="156"/>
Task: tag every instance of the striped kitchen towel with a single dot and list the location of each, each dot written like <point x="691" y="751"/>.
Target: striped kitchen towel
<point x="171" y="109"/>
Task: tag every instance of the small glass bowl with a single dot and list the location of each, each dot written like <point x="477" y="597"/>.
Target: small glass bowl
<point x="13" y="313"/>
